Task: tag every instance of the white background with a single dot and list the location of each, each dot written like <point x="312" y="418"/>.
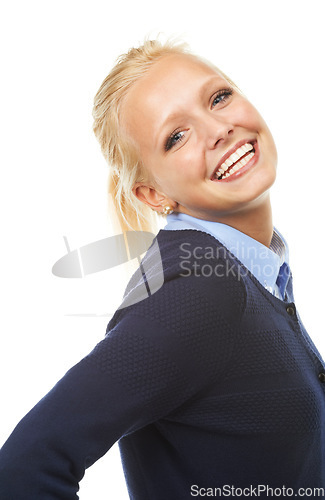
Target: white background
<point x="55" y="54"/>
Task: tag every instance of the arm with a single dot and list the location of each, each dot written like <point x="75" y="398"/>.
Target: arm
<point x="126" y="382"/>
<point x="158" y="354"/>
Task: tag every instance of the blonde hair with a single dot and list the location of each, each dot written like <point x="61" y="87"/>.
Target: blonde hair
<point x="118" y="150"/>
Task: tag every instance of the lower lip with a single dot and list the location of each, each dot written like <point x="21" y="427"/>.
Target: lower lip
<point x="252" y="162"/>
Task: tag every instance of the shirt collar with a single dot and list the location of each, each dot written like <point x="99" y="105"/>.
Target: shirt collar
<point x="263" y="262"/>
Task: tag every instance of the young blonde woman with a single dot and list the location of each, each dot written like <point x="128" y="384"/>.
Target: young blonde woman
<point x="211" y="384"/>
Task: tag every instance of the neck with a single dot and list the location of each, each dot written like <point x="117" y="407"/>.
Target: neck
<point x="255" y="220"/>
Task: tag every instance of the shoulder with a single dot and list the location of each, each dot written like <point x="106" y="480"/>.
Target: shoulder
<point x="186" y="273"/>
<point x="187" y="299"/>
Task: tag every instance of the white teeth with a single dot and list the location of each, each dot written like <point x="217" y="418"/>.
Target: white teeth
<point x="233" y="158"/>
<point x="248" y="147"/>
<point x="224" y="170"/>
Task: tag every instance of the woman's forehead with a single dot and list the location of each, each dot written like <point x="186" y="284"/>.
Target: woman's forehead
<point x="170" y="81"/>
<point x="171" y="69"/>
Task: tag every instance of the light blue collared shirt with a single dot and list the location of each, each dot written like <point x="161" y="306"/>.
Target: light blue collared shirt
<point x="270" y="266"/>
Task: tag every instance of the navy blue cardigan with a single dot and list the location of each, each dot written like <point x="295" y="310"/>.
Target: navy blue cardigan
<point x="209" y="381"/>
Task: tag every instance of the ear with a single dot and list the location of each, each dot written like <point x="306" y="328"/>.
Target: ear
<point x="151" y="197"/>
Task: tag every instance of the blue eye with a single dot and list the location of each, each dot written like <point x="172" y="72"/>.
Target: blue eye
<point x="222" y="96"/>
<point x="174" y="138"/>
<point x="177" y="136"/>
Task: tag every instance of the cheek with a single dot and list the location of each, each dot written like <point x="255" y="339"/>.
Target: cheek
<point x="183" y="167"/>
<point x="247" y="116"/>
<point x="191" y="161"/>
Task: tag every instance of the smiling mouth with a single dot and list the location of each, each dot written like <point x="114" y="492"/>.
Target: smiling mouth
<point x="235" y="161"/>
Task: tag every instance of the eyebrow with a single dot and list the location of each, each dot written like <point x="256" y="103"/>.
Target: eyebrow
<point x="177" y="114"/>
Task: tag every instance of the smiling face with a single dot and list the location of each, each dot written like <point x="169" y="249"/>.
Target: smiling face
<point x="189" y="125"/>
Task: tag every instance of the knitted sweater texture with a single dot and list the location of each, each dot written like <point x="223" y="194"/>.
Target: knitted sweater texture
<point x="209" y="381"/>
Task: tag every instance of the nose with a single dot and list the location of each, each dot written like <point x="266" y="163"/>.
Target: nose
<point x="216" y="130"/>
